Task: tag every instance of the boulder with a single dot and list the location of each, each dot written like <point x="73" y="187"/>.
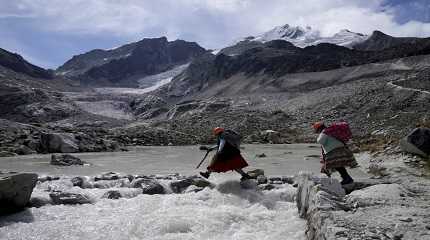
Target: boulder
<point x="47" y="178"/>
<point x="376" y="195"/>
<point x="417" y="142"/>
<point x="107" y="176"/>
<point x="261" y="179"/>
<point x="59" y="143"/>
<point x="255" y="173"/>
<point x="65" y="160"/>
<point x="112" y="194"/>
<point x="77" y="181"/>
<point x="24" y="150"/>
<point x="271" y="136"/>
<point x="249" y="184"/>
<point x="316" y="198"/>
<point x="7" y="154"/>
<point x="148" y="186"/>
<point x="15" y="191"/>
<point x="69" y="198"/>
<point x="181" y="185"/>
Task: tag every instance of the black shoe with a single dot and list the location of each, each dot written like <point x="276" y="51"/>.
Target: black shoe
<point x="245" y="177"/>
<point x="347" y="181"/>
<point x="205" y="174"/>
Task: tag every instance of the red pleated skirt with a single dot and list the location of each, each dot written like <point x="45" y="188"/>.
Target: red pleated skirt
<point x="220" y="163"/>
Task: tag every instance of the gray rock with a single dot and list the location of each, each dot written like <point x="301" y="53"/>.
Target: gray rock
<point x="271" y="136"/>
<point x="316" y="197"/>
<point x="417" y="142"/>
<point x="288" y="180"/>
<point x="112" y="194"/>
<point x="69" y="198"/>
<point x="15" y="191"/>
<point x="59" y="143"/>
<point x="249" y="184"/>
<point x="107" y="176"/>
<point x="148" y="186"/>
<point x="181" y="185"/>
<point x="266" y="187"/>
<point x="77" y="181"/>
<point x="24" y="150"/>
<point x="261" y="179"/>
<point x="47" y="178"/>
<point x="39" y="201"/>
<point x="7" y="154"/>
<point x="255" y="173"/>
<point x="406" y="219"/>
<point x="65" y="160"/>
<point x="360" y="184"/>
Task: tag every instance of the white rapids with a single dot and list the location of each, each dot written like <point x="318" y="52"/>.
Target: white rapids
<point x="225" y="212"/>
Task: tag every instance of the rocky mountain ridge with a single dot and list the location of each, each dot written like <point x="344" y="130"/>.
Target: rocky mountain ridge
<point x="269" y="93"/>
<point x="304" y="37"/>
<point x="18" y="64"/>
<point x="277" y="58"/>
<point x="126" y="65"/>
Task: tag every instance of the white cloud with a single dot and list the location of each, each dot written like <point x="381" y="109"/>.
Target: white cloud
<point x="212" y="23"/>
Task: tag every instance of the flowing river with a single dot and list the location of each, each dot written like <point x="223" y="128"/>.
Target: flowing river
<point x="227" y="211"/>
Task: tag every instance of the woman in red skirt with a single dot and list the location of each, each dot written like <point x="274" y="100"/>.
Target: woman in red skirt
<point x="227" y="157"/>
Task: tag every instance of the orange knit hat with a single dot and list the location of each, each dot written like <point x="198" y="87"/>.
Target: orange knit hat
<point x="318" y="125"/>
<point x="218" y="130"/>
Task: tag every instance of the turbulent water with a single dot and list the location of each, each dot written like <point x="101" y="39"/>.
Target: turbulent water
<point x="227" y="211"/>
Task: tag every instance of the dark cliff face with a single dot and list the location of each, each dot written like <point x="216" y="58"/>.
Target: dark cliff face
<point x="379" y="41"/>
<point x="125" y="65"/>
<point x="18" y="64"/>
<point x="278" y="58"/>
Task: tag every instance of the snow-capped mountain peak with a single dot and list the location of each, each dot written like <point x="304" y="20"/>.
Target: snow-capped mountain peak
<point x="303" y="37"/>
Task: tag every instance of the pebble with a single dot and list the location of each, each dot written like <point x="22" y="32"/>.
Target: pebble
<point x="406" y="219"/>
<point x="398" y="236"/>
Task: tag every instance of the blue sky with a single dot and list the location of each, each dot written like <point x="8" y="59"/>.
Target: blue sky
<point x="49" y="32"/>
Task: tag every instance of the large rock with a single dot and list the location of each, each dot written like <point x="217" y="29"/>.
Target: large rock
<point x="69" y="198"/>
<point x="7" y="154"/>
<point x="59" y="142"/>
<point x="148" y="186"/>
<point x="376" y="195"/>
<point x="316" y="198"/>
<point x="15" y="191"/>
<point x="271" y="136"/>
<point x="417" y="142"/>
<point x="255" y="173"/>
<point x="65" y="160"/>
<point x="182" y="185"/>
<point x="112" y="194"/>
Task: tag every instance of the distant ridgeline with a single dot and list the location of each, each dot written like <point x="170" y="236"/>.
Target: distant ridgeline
<point x="18" y="64"/>
<point x="125" y="65"/>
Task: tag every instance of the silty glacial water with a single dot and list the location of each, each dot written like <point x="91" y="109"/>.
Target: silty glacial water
<point x="227" y="211"/>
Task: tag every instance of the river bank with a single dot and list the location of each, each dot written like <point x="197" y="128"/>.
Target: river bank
<point x="394" y="204"/>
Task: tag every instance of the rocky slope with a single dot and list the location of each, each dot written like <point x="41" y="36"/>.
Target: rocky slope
<point x="270" y="93"/>
<point x="299" y="84"/>
<point x="126" y="65"/>
<point x="278" y="58"/>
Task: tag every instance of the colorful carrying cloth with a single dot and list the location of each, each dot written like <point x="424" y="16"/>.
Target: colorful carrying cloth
<point x="338" y="157"/>
<point x="340" y="131"/>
